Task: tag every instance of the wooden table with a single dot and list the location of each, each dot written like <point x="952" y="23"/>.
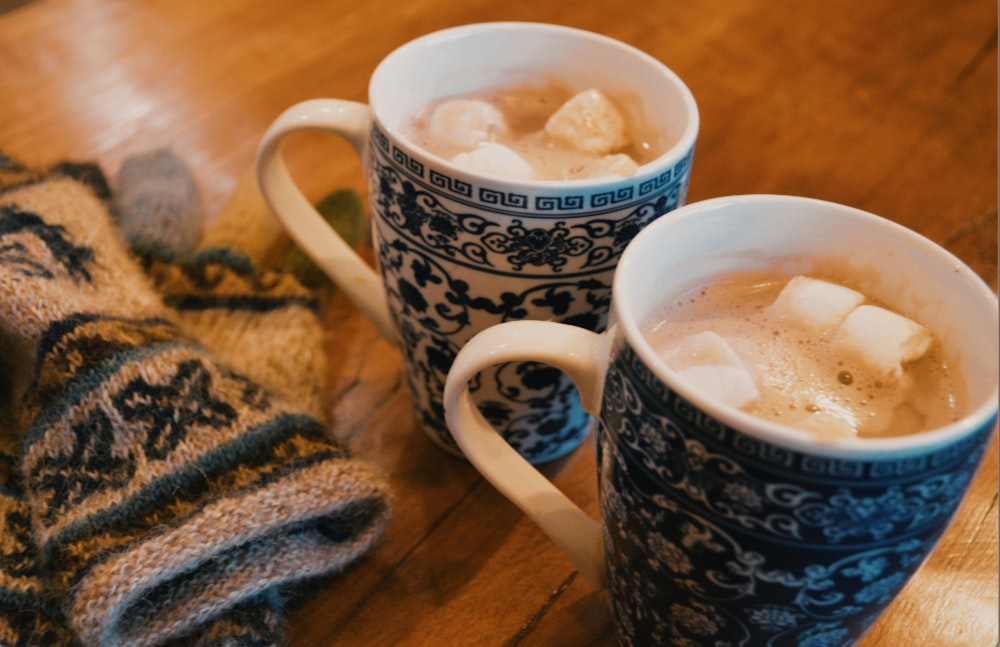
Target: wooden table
<point x="884" y="105"/>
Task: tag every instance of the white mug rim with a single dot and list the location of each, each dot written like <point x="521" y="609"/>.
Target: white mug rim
<point x="681" y="148"/>
<point x="623" y="315"/>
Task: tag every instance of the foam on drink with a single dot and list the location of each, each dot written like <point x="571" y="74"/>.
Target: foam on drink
<point x="822" y="356"/>
<point x="549" y="129"/>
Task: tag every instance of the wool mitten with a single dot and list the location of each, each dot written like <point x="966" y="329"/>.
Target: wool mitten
<point x="213" y="281"/>
<point x="30" y="612"/>
<point x="224" y="296"/>
<point x="166" y="493"/>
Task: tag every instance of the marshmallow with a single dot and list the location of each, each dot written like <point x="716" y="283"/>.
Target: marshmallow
<point x="618" y="164"/>
<point x="588" y="122"/>
<point x="882" y="340"/>
<point x="709" y="365"/>
<point x="495" y="160"/>
<point x="813" y="305"/>
<point x="462" y="124"/>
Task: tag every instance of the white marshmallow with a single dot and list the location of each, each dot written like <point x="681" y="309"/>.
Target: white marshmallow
<point x="618" y="164"/>
<point x="588" y="122"/>
<point x="814" y="305"/>
<point x="495" y="160"/>
<point x="462" y="124"/>
<point x="708" y="364"/>
<point x="882" y="340"/>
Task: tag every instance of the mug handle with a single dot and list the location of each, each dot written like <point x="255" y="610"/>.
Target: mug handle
<point x="583" y="356"/>
<point x="351" y="121"/>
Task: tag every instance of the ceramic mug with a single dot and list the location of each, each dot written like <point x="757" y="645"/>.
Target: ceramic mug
<point x="718" y="527"/>
<point x="458" y="251"/>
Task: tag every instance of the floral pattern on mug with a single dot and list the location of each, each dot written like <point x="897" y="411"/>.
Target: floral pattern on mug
<point x="713" y="540"/>
<point x="550" y="264"/>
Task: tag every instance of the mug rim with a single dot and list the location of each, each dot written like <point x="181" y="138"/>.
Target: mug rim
<point x="980" y="414"/>
<point x="677" y="151"/>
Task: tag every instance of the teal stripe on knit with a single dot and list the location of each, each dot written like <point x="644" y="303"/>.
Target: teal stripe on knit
<point x="57" y="331"/>
<point x="232" y="259"/>
<point x="103" y="338"/>
<point x="256" y="291"/>
<point x="242" y="302"/>
<point x="85" y="382"/>
<point x="197" y="482"/>
<point x="235" y="260"/>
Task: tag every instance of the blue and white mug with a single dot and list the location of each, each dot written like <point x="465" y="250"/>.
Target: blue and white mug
<point x="717" y="527"/>
<point x="457" y="251"/>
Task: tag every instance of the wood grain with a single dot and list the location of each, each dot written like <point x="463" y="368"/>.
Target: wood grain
<point x="884" y="105"/>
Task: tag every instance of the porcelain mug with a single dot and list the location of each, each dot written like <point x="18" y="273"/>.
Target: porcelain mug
<point x="718" y="527"/>
<point x="458" y="251"/>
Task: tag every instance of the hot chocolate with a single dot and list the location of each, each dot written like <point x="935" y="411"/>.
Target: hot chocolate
<point x="543" y="132"/>
<point x="809" y="353"/>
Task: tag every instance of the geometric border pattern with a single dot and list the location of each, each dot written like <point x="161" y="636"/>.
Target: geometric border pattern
<point x="560" y="201"/>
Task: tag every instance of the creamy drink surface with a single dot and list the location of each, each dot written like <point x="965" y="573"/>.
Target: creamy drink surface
<point x="525" y="111"/>
<point x="803" y="377"/>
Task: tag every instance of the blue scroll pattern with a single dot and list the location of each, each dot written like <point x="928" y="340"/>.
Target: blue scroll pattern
<point x="453" y="265"/>
<point x="718" y="541"/>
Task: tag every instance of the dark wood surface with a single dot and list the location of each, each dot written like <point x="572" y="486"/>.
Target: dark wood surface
<point x="884" y="105"/>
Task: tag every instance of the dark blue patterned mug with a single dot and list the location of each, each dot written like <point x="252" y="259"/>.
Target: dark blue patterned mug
<point x="458" y="251"/>
<point x="719" y="528"/>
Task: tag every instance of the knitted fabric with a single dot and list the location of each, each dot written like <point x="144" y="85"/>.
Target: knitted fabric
<point x="151" y="494"/>
<point x="29" y="615"/>
<point x="220" y="294"/>
<point x="245" y="224"/>
<point x="160" y="195"/>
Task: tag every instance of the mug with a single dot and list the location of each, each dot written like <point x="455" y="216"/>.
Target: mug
<point x="458" y="251"/>
<point x="718" y="527"/>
